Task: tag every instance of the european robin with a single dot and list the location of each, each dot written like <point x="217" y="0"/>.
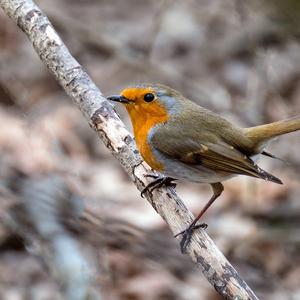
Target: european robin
<point x="183" y="140"/>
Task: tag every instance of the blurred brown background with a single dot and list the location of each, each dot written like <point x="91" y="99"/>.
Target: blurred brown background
<point x="238" y="58"/>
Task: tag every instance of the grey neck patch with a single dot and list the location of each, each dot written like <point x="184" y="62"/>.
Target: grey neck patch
<point x="168" y="101"/>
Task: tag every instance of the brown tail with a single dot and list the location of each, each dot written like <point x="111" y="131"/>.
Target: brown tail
<point x="260" y="135"/>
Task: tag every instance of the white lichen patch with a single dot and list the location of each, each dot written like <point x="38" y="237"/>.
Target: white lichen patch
<point x="115" y="133"/>
<point x="52" y="35"/>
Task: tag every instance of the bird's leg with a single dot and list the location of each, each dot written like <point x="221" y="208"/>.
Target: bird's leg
<point x="157" y="183"/>
<point x="188" y="232"/>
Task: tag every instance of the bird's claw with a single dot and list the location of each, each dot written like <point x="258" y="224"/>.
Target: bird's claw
<point x="187" y="235"/>
<point x="157" y="183"/>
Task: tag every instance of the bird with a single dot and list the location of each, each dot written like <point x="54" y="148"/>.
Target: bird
<point x="184" y="141"/>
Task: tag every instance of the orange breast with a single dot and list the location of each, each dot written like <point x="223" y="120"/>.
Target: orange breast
<point x="141" y="138"/>
<point x="143" y="121"/>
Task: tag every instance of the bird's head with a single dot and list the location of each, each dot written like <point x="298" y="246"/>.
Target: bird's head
<point x="149" y="101"/>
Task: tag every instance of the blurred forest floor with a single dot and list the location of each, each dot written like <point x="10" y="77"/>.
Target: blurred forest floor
<point x="238" y="58"/>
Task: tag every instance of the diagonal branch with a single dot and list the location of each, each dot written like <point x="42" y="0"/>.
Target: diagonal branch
<point x="119" y="141"/>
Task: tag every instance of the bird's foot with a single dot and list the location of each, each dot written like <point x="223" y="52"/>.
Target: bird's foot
<point x="187" y="235"/>
<point x="157" y="183"/>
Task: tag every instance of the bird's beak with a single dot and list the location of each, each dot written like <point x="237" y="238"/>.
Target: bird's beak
<point x="118" y="98"/>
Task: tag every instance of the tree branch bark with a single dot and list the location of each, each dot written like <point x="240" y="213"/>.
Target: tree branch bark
<point x="119" y="141"/>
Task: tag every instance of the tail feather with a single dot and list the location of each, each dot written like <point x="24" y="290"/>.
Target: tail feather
<point x="267" y="176"/>
<point x="260" y="135"/>
<point x="265" y="153"/>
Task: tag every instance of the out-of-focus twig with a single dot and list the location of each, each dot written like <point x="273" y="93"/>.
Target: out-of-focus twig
<point x="46" y="203"/>
<point x="115" y="136"/>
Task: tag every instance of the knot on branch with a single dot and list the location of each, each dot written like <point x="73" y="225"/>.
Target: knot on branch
<point x="31" y="15"/>
<point x="102" y="114"/>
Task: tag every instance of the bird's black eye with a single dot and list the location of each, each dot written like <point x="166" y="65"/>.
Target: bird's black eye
<point x="149" y="97"/>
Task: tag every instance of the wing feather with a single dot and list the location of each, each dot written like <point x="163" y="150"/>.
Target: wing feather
<point x="213" y="153"/>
